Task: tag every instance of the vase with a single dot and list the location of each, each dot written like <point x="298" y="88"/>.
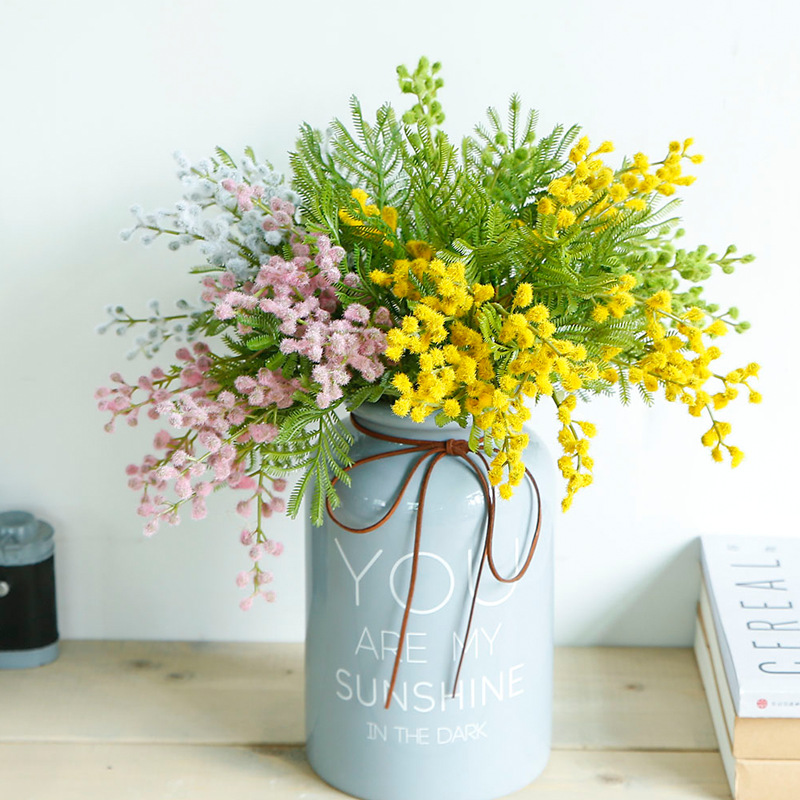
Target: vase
<point x="448" y="696"/>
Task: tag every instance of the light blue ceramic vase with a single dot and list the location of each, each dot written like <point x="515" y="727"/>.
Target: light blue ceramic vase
<point x="493" y="737"/>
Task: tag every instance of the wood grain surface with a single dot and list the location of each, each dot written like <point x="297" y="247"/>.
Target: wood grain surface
<point x="147" y="720"/>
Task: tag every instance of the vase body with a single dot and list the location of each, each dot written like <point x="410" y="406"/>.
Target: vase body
<point x="493" y="736"/>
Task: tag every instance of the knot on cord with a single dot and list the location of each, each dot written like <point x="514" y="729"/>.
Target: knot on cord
<point x="456" y="447"/>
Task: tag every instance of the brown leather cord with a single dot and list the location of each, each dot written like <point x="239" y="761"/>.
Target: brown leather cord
<point x="436" y="451"/>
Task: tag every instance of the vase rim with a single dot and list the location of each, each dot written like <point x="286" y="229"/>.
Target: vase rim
<point x="379" y="416"/>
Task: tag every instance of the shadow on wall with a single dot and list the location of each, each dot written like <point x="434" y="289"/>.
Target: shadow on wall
<point x="660" y="611"/>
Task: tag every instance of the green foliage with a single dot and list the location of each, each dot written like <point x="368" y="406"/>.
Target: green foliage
<point x="424" y="84"/>
<point x="368" y="158"/>
<point x="478" y="205"/>
<point x="371" y="158"/>
<point x="509" y="163"/>
<point x="322" y="454"/>
<point x="224" y="158"/>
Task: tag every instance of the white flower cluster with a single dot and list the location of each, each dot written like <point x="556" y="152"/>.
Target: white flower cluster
<point x="176" y="327"/>
<point x="216" y="211"/>
<point x="233" y="238"/>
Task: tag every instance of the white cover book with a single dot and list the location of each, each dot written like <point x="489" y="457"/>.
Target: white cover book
<point x="754" y="588"/>
<point x="749" y="779"/>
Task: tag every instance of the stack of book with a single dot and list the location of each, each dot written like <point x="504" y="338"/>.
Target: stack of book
<point x="748" y="651"/>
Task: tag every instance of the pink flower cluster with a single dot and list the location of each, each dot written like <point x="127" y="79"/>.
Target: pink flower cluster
<point x="157" y="386"/>
<point x="244" y="193"/>
<point x="214" y="290"/>
<point x="338" y="347"/>
<point x="282" y="216"/>
<point x="268" y="388"/>
<point x="222" y="429"/>
<point x="282" y="211"/>
<point x="258" y="547"/>
<point x="207" y="455"/>
<point x="300" y="294"/>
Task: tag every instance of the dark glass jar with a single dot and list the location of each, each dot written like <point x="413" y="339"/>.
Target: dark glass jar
<point x="28" y="626"/>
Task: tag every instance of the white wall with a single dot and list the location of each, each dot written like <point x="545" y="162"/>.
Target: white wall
<point x="95" y="96"/>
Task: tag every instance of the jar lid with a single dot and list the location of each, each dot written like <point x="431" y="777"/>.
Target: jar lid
<point x="24" y="539"/>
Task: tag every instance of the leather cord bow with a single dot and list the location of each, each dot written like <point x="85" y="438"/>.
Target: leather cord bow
<point x="436" y="451"/>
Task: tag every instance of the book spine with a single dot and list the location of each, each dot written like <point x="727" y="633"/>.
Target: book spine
<point x="706" y="622"/>
<point x="727" y="658"/>
<point x="714" y="705"/>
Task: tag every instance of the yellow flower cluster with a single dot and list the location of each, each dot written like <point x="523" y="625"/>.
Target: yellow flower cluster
<point x="459" y="371"/>
<point x="576" y="450"/>
<point x="388" y="213"/>
<point x="638" y="180"/>
<point x="592" y="188"/>
<point x="588" y="177"/>
<point x="463" y="367"/>
<point x="620" y="300"/>
<point x="683" y="378"/>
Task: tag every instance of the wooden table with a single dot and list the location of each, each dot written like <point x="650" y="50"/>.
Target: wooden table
<point x="184" y="721"/>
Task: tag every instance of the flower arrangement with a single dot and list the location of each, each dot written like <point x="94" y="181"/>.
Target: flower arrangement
<point x="462" y="282"/>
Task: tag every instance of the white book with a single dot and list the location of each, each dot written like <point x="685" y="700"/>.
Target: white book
<point x="749" y="737"/>
<point x="754" y="591"/>
<point x="749" y="779"/>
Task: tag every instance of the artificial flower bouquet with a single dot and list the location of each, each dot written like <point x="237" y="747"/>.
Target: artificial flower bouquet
<point x="469" y="283"/>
